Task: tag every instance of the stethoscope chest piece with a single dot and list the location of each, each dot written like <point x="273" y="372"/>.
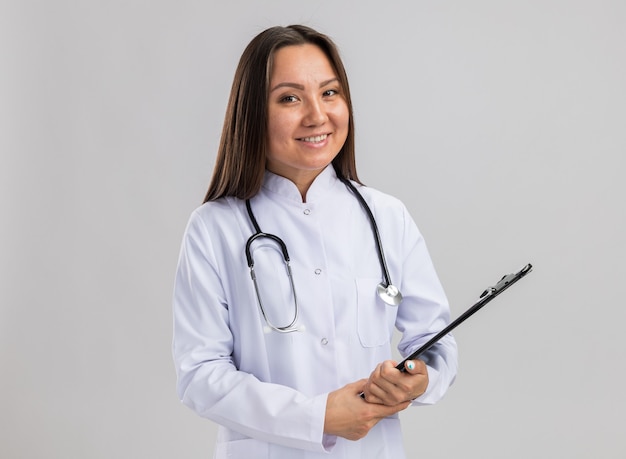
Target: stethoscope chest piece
<point x="389" y="294"/>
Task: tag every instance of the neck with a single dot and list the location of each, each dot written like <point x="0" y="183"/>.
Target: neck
<point x="303" y="179"/>
<point x="303" y="187"/>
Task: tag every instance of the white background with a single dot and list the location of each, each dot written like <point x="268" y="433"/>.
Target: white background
<point x="501" y="125"/>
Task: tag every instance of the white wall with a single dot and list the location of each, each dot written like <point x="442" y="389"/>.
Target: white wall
<point x="500" y="124"/>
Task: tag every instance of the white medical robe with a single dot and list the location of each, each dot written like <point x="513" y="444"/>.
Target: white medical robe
<point x="268" y="390"/>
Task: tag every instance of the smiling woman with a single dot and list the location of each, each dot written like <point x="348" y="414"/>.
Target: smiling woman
<point x="283" y="374"/>
<point x="242" y="154"/>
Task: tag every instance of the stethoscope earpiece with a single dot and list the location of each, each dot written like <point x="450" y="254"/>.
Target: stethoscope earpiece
<point x="389" y="294"/>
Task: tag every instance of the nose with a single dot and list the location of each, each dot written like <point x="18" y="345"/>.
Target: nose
<point x="315" y="114"/>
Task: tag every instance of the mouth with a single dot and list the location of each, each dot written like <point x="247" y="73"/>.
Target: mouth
<point x="314" y="139"/>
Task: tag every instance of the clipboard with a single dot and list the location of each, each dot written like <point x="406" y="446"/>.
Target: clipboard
<point x="489" y="294"/>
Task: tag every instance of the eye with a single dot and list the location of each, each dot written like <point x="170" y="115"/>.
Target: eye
<point x="288" y="99"/>
<point x="330" y="92"/>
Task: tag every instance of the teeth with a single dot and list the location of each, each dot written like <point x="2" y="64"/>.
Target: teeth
<point x="316" y="139"/>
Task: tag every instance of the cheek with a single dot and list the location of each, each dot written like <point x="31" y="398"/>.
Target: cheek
<point x="275" y="131"/>
<point x="342" y="117"/>
<point x="342" y="123"/>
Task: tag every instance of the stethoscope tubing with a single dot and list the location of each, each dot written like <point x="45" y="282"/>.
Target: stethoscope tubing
<point x="370" y="215"/>
<point x="389" y="293"/>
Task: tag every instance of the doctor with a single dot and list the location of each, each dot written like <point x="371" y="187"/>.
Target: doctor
<point x="276" y="335"/>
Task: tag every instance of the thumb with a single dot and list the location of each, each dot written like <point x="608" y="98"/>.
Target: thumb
<point x="415" y="367"/>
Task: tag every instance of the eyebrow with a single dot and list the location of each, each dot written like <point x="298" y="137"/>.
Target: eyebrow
<point x="301" y="87"/>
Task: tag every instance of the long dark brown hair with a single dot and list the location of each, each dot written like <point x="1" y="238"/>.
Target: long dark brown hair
<point x="240" y="163"/>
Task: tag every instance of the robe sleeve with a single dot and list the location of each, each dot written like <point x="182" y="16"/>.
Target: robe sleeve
<point x="424" y="312"/>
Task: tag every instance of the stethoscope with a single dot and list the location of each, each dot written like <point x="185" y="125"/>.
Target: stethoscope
<point x="388" y="292"/>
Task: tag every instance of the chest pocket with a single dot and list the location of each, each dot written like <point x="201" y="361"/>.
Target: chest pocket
<point x="374" y="317"/>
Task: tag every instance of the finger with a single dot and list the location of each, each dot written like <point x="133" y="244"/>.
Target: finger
<point x="381" y="387"/>
<point x="385" y="394"/>
<point x="382" y="399"/>
<point x="397" y="386"/>
<point x="387" y="372"/>
<point x="373" y="394"/>
<point x="383" y="379"/>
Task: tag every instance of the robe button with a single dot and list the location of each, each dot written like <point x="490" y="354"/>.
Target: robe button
<point x="306" y="211"/>
<point x="318" y="271"/>
<point x="324" y="341"/>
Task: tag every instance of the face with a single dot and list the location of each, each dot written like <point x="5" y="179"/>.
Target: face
<point x="307" y="114"/>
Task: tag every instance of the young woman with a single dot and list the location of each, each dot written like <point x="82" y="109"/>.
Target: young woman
<point x="284" y="306"/>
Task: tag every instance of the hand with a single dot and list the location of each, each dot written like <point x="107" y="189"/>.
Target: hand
<point x="389" y="386"/>
<point x="351" y="417"/>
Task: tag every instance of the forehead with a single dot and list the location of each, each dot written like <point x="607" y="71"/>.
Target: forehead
<point x="299" y="63"/>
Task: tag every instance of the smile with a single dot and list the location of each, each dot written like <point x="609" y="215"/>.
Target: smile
<point x="314" y="139"/>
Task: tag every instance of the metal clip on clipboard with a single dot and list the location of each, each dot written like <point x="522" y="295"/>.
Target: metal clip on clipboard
<point x="489" y="294"/>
